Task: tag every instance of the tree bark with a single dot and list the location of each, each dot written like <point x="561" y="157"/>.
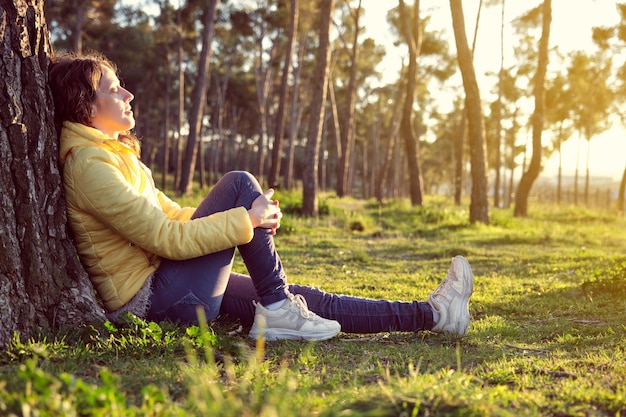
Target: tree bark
<point x="479" y="205"/>
<point x="295" y="112"/>
<point x="622" y="191"/>
<point x="412" y="33"/>
<point x="347" y="130"/>
<point x="394" y="127"/>
<point x="178" y="145"/>
<point x="277" y="149"/>
<point x="197" y="107"/>
<point x="459" y="147"/>
<point x="319" y="85"/>
<point x="42" y="283"/>
<point x="498" y="156"/>
<point x="534" y="168"/>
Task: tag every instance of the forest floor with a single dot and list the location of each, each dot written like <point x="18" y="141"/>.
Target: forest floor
<point x="547" y="335"/>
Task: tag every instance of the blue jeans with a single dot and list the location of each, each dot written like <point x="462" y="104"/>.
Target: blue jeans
<point x="208" y="281"/>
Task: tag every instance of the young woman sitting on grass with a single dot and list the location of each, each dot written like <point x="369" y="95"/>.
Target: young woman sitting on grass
<point x="146" y="255"/>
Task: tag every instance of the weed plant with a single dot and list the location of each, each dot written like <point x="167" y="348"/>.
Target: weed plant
<point x="547" y="336"/>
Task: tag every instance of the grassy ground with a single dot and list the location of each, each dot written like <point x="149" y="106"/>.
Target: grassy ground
<point x="547" y="338"/>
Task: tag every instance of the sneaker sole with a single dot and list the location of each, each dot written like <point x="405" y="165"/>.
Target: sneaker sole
<point x="468" y="285"/>
<point x="286" y="334"/>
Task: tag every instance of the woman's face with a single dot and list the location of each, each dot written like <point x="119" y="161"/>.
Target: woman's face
<point x="111" y="112"/>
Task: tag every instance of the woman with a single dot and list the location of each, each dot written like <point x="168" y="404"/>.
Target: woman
<point x="146" y="255"/>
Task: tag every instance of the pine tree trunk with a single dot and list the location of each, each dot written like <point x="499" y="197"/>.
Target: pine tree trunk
<point x="295" y="112"/>
<point x="385" y="177"/>
<point x="529" y="177"/>
<point x="197" y="109"/>
<point x="42" y="283"/>
<point x="479" y="205"/>
<point x="348" y="115"/>
<point x="277" y="150"/>
<point x="319" y="85"/>
<point x="622" y="191"/>
<point x="413" y="36"/>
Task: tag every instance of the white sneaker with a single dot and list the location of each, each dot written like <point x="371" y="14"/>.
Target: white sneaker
<point x="451" y="298"/>
<point x="292" y="321"/>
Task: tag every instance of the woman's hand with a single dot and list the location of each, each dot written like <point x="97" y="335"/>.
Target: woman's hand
<point x="265" y="212"/>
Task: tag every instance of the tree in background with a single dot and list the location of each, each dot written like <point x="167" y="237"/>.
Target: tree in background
<point x="591" y="96"/>
<point x="42" y="283"/>
<point x="348" y="113"/>
<point x="196" y="114"/>
<point x="412" y="33"/>
<point x="479" y="205"/>
<point x="319" y="86"/>
<point x="498" y="111"/>
<point x="621" y="29"/>
<point x="559" y="106"/>
<point x="531" y="174"/>
<point x="277" y="149"/>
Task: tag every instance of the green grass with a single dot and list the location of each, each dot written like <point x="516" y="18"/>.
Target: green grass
<point x="547" y="337"/>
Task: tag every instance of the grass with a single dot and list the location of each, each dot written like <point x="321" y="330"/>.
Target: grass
<point x="547" y="338"/>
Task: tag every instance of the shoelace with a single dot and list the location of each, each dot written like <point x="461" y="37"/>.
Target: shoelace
<point x="299" y="302"/>
<point x="444" y="287"/>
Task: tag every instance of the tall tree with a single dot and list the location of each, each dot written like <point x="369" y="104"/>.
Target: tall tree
<point x="591" y="95"/>
<point x="279" y="130"/>
<point x="42" y="284"/>
<point x="392" y="133"/>
<point x="194" y="141"/>
<point x="621" y="35"/>
<point x="295" y="111"/>
<point x="348" y="115"/>
<point x="559" y="106"/>
<point x="412" y="32"/>
<point x="534" y="168"/>
<point x="319" y="84"/>
<point x="180" y="119"/>
<point x="498" y="139"/>
<point x="479" y="205"/>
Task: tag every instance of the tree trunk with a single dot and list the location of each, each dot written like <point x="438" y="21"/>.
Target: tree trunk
<point x="587" y="173"/>
<point x="263" y="78"/>
<point x="394" y="126"/>
<point x="347" y="131"/>
<point x="459" y="148"/>
<point x="279" y="130"/>
<point x="42" y="283"/>
<point x="77" y="35"/>
<point x="534" y="168"/>
<point x="166" y="123"/>
<point x="559" y="182"/>
<point x="479" y="205"/>
<point x="319" y="84"/>
<point x="295" y="112"/>
<point x="412" y="33"/>
<point x="622" y="191"/>
<point x="197" y="106"/>
<point x="178" y="149"/>
<point x="498" y="157"/>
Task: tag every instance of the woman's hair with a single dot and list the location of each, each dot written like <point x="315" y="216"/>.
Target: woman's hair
<point x="74" y="80"/>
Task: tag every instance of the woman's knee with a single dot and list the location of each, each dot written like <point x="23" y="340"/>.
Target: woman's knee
<point x="234" y="176"/>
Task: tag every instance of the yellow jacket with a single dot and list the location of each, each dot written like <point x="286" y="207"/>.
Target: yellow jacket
<point x="123" y="224"/>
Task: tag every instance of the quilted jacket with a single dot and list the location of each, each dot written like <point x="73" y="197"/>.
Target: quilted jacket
<point x="123" y="224"/>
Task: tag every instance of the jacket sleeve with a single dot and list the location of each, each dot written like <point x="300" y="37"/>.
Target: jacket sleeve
<point x="172" y="210"/>
<point x="103" y="192"/>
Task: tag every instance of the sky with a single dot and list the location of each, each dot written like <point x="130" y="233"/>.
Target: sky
<point x="572" y="22"/>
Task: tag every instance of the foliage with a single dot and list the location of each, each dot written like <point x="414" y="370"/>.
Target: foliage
<point x="548" y="332"/>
